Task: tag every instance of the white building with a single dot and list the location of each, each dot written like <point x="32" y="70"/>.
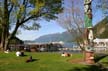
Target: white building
<point x="100" y="44"/>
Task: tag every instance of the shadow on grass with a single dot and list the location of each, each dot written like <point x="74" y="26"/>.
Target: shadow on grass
<point x="89" y="68"/>
<point x="27" y="61"/>
<point x="35" y="60"/>
<point x="23" y="55"/>
<point x="99" y="56"/>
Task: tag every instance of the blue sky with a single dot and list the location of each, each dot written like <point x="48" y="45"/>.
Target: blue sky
<point x="52" y="27"/>
<point x="46" y="28"/>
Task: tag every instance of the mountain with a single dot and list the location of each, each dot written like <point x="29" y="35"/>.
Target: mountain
<point x="64" y="36"/>
<point x="101" y="29"/>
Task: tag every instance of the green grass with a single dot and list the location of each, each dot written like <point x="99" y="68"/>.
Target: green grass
<point x="44" y="62"/>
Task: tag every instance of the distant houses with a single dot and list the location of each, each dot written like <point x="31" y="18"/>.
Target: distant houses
<point x="101" y="45"/>
<point x="41" y="47"/>
<point x="45" y="47"/>
<point x="37" y="47"/>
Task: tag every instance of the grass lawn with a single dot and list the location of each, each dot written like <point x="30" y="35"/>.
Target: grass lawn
<point x="44" y="61"/>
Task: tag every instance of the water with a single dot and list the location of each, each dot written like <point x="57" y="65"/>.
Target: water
<point x="70" y="44"/>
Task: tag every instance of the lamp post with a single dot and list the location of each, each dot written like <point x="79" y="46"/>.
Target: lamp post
<point x="89" y="53"/>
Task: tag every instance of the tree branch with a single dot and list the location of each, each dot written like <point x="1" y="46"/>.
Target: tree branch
<point x="29" y="18"/>
<point x="25" y="5"/>
<point x="18" y="25"/>
<point x="11" y="9"/>
<point x="14" y="31"/>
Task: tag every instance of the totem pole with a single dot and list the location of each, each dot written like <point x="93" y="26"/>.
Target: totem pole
<point x="89" y="53"/>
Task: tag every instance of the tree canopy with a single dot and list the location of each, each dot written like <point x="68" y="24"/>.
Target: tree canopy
<point x="18" y="13"/>
<point x="72" y="18"/>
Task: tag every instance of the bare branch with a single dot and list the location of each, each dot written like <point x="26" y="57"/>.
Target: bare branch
<point x="11" y="9"/>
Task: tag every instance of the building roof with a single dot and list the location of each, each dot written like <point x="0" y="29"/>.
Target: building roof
<point x="100" y="40"/>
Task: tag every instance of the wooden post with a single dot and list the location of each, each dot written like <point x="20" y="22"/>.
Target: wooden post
<point x="89" y="53"/>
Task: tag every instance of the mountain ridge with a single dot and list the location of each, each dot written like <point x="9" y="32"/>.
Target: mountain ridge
<point x="101" y="29"/>
<point x="56" y="37"/>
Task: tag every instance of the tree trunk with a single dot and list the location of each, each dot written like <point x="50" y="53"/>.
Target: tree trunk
<point x="9" y="37"/>
<point x="1" y="45"/>
<point x="5" y="26"/>
<point x="6" y="37"/>
<point x="6" y="44"/>
<point x="2" y="38"/>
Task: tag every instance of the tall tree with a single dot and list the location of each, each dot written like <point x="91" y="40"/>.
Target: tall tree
<point x="72" y="19"/>
<point x="19" y="13"/>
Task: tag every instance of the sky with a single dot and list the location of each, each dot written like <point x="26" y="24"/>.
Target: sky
<point x="53" y="27"/>
<point x="46" y="28"/>
<point x="50" y="28"/>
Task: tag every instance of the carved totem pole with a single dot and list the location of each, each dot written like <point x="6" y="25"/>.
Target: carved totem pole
<point x="89" y="53"/>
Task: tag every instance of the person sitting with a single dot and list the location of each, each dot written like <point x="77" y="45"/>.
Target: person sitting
<point x="7" y="51"/>
<point x="66" y="54"/>
<point x="18" y="53"/>
<point x="22" y="53"/>
<point x="29" y="60"/>
<point x="63" y="54"/>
